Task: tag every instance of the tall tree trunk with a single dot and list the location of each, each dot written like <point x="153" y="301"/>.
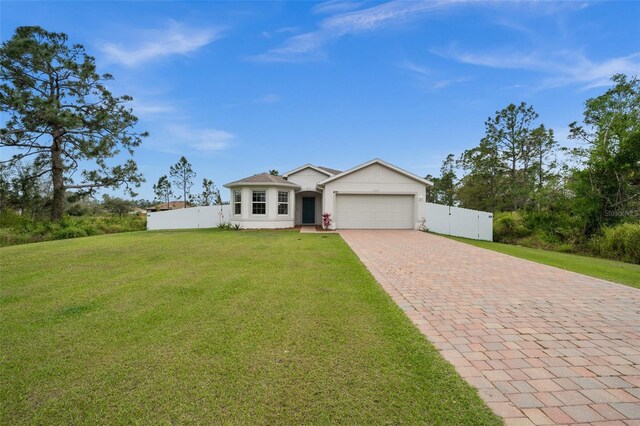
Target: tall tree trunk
<point x="540" y="178"/>
<point x="57" y="207"/>
<point x="514" y="183"/>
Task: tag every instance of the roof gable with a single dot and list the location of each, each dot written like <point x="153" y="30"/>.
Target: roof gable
<point x="330" y="170"/>
<point x="325" y="171"/>
<point x="380" y="162"/>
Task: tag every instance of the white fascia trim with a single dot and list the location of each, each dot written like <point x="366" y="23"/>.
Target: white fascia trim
<point x="374" y="161"/>
<point x="306" y="166"/>
<point x="261" y="184"/>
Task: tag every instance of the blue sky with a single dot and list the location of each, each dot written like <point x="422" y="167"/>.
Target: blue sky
<point x="244" y="87"/>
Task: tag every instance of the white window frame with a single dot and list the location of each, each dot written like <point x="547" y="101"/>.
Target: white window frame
<point x="237" y="202"/>
<point x="253" y="202"/>
<point x="283" y="203"/>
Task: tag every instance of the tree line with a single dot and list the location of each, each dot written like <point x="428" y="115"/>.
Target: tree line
<point x="65" y="133"/>
<point x="65" y="137"/>
<point x="63" y="119"/>
<point x="181" y="177"/>
<point x="519" y="166"/>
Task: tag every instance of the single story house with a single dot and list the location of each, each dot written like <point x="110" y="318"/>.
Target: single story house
<point x="372" y="195"/>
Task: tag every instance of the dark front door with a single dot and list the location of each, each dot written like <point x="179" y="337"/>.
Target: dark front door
<point x="308" y="209"/>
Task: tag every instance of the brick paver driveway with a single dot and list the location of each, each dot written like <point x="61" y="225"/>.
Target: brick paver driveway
<point x="541" y="344"/>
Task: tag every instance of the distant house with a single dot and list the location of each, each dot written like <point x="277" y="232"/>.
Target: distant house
<point x="375" y="194"/>
<point x="137" y="211"/>
<point x="171" y="205"/>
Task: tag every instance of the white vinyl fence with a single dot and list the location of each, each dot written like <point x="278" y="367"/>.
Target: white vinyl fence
<point x="459" y="222"/>
<point x="191" y="217"/>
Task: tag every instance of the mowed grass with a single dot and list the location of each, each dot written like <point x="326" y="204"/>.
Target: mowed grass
<point x="211" y="327"/>
<point x="611" y="270"/>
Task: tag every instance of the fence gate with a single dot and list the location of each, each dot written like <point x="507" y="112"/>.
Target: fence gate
<point x="459" y="222"/>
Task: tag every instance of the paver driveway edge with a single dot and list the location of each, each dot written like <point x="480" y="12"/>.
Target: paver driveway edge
<point x="538" y="263"/>
<point x="541" y="344"/>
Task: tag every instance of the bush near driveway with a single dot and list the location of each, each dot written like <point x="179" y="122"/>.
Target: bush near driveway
<point x="606" y="269"/>
<point x="563" y="232"/>
<point x="619" y="242"/>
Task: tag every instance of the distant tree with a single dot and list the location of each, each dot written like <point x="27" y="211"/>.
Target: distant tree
<point x="22" y="189"/>
<point x="5" y="187"/>
<point x="182" y="175"/>
<point x="606" y="184"/>
<point x="544" y="166"/>
<point x="163" y="190"/>
<point x="28" y="189"/>
<point x="143" y="203"/>
<point x="481" y="188"/>
<point x="274" y="172"/>
<point x="443" y="190"/>
<point x="81" y="205"/>
<point x="60" y="111"/>
<point x="510" y="132"/>
<point x="209" y="194"/>
<point x="447" y="181"/>
<point x="116" y="205"/>
<point x="514" y="166"/>
<point x="432" y="191"/>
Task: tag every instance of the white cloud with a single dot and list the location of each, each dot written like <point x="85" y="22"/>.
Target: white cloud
<point x="176" y="39"/>
<point x="428" y="79"/>
<point x="336" y="6"/>
<point x="441" y="84"/>
<point x="307" y="46"/>
<point x="269" y="98"/>
<point x="181" y="138"/>
<point x="415" y="68"/>
<point x="562" y="67"/>
<point x="347" y="17"/>
<point x="208" y="140"/>
<point x="149" y="109"/>
<point x="283" y="30"/>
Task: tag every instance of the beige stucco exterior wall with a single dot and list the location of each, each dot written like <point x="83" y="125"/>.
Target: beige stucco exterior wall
<point x="307" y="178"/>
<point x="375" y="179"/>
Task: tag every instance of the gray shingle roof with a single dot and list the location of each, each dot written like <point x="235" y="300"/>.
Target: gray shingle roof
<point x="263" y="178"/>
<point x="330" y="170"/>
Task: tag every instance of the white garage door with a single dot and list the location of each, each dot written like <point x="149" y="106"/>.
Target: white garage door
<point x="374" y="211"/>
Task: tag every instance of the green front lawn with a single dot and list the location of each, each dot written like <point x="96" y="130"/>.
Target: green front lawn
<point x="611" y="270"/>
<point x="213" y="327"/>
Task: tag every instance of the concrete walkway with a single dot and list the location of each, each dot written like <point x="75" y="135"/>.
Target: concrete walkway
<point x="313" y="229"/>
<point x="542" y="345"/>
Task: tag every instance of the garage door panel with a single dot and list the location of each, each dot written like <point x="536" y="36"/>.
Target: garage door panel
<point x="380" y="211"/>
